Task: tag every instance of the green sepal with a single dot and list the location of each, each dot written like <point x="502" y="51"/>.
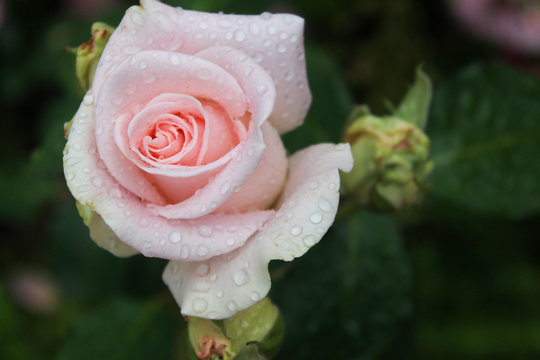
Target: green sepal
<point x="88" y="54"/>
<point x="257" y="332"/>
<point x="414" y="107"/>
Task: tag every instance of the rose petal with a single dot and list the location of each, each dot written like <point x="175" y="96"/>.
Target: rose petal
<point x="235" y="281"/>
<point x="132" y="221"/>
<point x="247" y="155"/>
<point x="105" y="238"/>
<point x="273" y="40"/>
<point x="264" y="186"/>
<point x="118" y="96"/>
<point x="225" y="183"/>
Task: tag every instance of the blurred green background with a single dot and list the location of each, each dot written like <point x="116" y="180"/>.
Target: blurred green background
<point x="457" y="278"/>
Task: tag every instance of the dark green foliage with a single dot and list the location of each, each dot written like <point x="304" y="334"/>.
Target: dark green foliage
<point x="352" y="291"/>
<point x="122" y="329"/>
<point x="486" y="141"/>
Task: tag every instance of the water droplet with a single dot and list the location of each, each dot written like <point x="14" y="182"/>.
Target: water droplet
<point x="175" y="237"/>
<point x="86" y="170"/>
<point x="231" y="306"/>
<point x="225" y="187"/>
<point x="149" y="76"/>
<point x="315" y="218"/>
<point x="220" y="294"/>
<point x="143" y="222"/>
<point x="199" y="305"/>
<point x="203" y="270"/>
<point x="143" y="65"/>
<point x="231" y="229"/>
<point x="175" y="60"/>
<point x="281" y="48"/>
<point x="255" y="296"/>
<point x="70" y="176"/>
<point x="258" y="57"/>
<point x="203" y="25"/>
<point x="248" y="70"/>
<point x="262" y="88"/>
<point x="224" y="23"/>
<point x="202" y="250"/>
<point x="163" y="21"/>
<point x="266" y="15"/>
<point x="201" y="286"/>
<point x="296" y="230"/>
<point x="88" y="99"/>
<point x="289" y="75"/>
<point x="309" y="240"/>
<point x="230" y="241"/>
<point x="250" y="151"/>
<point x="184" y="253"/>
<point x="205" y="230"/>
<point x="239" y="35"/>
<point x="131" y="50"/>
<point x="294" y="38"/>
<point x="313" y="185"/>
<point x="241" y="277"/>
<point x="271" y="29"/>
<point x="137" y="18"/>
<point x="325" y="205"/>
<point x="254" y="29"/>
<point x="332" y="186"/>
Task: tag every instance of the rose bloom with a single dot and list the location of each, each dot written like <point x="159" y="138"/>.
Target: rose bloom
<point x="176" y="152"/>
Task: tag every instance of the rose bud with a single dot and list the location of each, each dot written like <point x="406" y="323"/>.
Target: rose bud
<point x="175" y="152"/>
<point x="255" y="333"/>
<point x="391" y="153"/>
<point x="88" y="53"/>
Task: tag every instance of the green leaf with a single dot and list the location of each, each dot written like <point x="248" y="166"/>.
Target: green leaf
<point x="486" y="141"/>
<point x="122" y="329"/>
<point x="414" y="107"/>
<point x="347" y="298"/>
<point x="330" y="107"/>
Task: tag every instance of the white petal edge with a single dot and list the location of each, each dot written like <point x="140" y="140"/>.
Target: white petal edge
<point x="224" y="285"/>
<point x="275" y="41"/>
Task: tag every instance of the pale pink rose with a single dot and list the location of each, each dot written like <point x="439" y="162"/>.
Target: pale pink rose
<point x="514" y="25"/>
<point x="177" y="148"/>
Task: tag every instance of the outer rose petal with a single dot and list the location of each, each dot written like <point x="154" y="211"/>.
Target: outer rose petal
<point x="275" y="41"/>
<point x="102" y="235"/>
<point x="221" y="286"/>
<point x="130" y="219"/>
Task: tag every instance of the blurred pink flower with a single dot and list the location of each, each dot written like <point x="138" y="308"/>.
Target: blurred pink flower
<point x="513" y="24"/>
<point x="34" y="290"/>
